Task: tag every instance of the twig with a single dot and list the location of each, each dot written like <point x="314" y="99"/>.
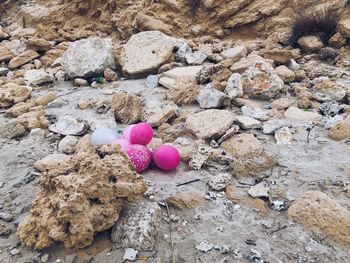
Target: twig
<point x="189" y="182"/>
<point x="309" y="129"/>
<point x="68" y="93"/>
<point x="170" y="231"/>
<point x="279" y="229"/>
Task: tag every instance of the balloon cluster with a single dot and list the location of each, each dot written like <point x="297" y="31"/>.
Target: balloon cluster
<point x="134" y="143"/>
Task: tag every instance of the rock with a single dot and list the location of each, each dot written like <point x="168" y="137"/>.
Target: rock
<point x="282" y="56"/>
<point x="6" y="54"/>
<point x="284" y="136"/>
<point x="147" y="23"/>
<point x="204" y="246"/>
<point x="255" y="113"/>
<point x="259" y="191"/>
<point x="185" y="200"/>
<point x="4" y="71"/>
<point x="186" y="147"/>
<point x="322" y="214"/>
<point x="182" y="84"/>
<point x="50" y="161"/>
<point x="22" y="59"/>
<point x="341" y="131"/>
<point x="11" y="94"/>
<point x="88" y="57"/>
<point x="3" y="35"/>
<point x="4" y="230"/>
<point x="344" y="27"/>
<point x="6" y="217"/>
<point x="330" y="108"/>
<point x="146" y="52"/>
<point x="243" y="145"/>
<point x="247" y="123"/>
<point x="310" y="43"/>
<point x="33" y="119"/>
<point x="93" y="205"/>
<point x="282" y="103"/>
<point x="45" y="258"/>
<point x="210" y="123"/>
<point x="234" y="86"/>
<point x="127" y="107"/>
<point x="110" y="75"/>
<point x="328" y="91"/>
<point x="337" y="40"/>
<point x="235" y="53"/>
<point x="67" y="144"/>
<point x="38" y="44"/>
<point x="212" y="98"/>
<point x="139" y="227"/>
<point x="293" y="65"/>
<point x="328" y="53"/>
<point x="152" y="81"/>
<point x="57" y="103"/>
<point x="52" y="57"/>
<point x="36" y="77"/>
<point x="262" y="82"/>
<point x="243" y="64"/>
<point x="330" y="122"/>
<point x="219" y="182"/>
<point x="295" y="113"/>
<point x="285" y="73"/>
<point x="18" y="109"/>
<point x="45" y="99"/>
<point x="183" y="49"/>
<point x="15" y="252"/>
<point x="130" y="254"/>
<point x="167" y="112"/>
<point x="270" y="126"/>
<point x="69" y="125"/>
<point x="37" y="63"/>
<point x="12" y="130"/>
<point x="78" y="82"/>
<point x="195" y="58"/>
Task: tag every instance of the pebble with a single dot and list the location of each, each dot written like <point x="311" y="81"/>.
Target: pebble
<point x="6" y="217"/>
<point x="130" y="254"/>
<point x="15" y="252"/>
<point x="204" y="247"/>
<point x="259" y="190"/>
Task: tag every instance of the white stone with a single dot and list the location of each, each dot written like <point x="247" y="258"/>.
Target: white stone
<point x="67" y="144"/>
<point x="219" y="182"/>
<point x="130" y="254"/>
<point x="234" y="86"/>
<point x="212" y="98"/>
<point x="195" y="58"/>
<point x="204" y="247"/>
<point x="37" y="77"/>
<point x="235" y="53"/>
<point x="69" y="125"/>
<point x="247" y="123"/>
<point x="270" y="126"/>
<point x="258" y="191"/>
<point x="152" y="81"/>
<point x="295" y="113"/>
<point x="284" y="136"/>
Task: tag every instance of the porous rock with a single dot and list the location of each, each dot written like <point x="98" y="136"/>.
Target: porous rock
<point x="22" y="59"/>
<point x="12" y="93"/>
<point x="38" y="76"/>
<point x="127" y="107"/>
<point x="80" y="197"/>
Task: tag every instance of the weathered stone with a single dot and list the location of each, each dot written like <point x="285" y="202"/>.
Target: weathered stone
<point x="243" y="145"/>
<point x="243" y="64"/>
<point x="163" y="115"/>
<point x="18" y="109"/>
<point x="147" y="23"/>
<point x="310" y="43"/>
<point x="322" y="214"/>
<point x="328" y="54"/>
<point x="186" y="147"/>
<point x="110" y="75"/>
<point x="219" y="182"/>
<point x="270" y="126"/>
<point x="235" y="53"/>
<point x="22" y="59"/>
<point x="6" y="54"/>
<point x="51" y="56"/>
<point x="4" y="71"/>
<point x="255" y="113"/>
<point x="51" y="161"/>
<point x="88" y="57"/>
<point x="33" y="119"/>
<point x="247" y="123"/>
<point x="210" y="123"/>
<point x="67" y="144"/>
<point x="295" y="113"/>
<point x="127" y="107"/>
<point x="259" y="191"/>
<point x="234" y="86"/>
<point x="209" y="97"/>
<point x="344" y="27"/>
<point x="341" y="131"/>
<point x="328" y="91"/>
<point x="138" y="227"/>
<point x="12" y="130"/>
<point x="37" y="77"/>
<point x="92" y="205"/>
<point x="337" y="40"/>
<point x="285" y="73"/>
<point x="283" y="136"/>
<point x="38" y="44"/>
<point x="45" y="99"/>
<point x="195" y="58"/>
<point x="12" y="93"/>
<point x="282" y="56"/>
<point x="185" y="200"/>
<point x="152" y="81"/>
<point x="145" y="52"/>
<point x="282" y="103"/>
<point x="81" y="82"/>
<point x="69" y="125"/>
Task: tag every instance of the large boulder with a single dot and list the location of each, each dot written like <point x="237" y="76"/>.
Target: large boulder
<point x="88" y="57"/>
<point x="146" y="52"/>
<point x="322" y="214"/>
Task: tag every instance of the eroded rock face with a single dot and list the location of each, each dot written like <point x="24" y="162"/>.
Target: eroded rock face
<point x="321" y="213"/>
<point x="88" y="57"/>
<point x="80" y="197"/>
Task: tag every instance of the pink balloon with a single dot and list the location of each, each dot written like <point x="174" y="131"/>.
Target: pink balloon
<point x="166" y="157"/>
<point x="141" y="133"/>
<point x="140" y="156"/>
<point x="127" y="131"/>
<point x="124" y="143"/>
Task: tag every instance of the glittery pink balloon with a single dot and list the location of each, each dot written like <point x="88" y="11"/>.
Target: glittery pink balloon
<point x="141" y="133"/>
<point x="140" y="156"/>
<point x="127" y="131"/>
<point x="166" y="157"/>
<point x="124" y="143"/>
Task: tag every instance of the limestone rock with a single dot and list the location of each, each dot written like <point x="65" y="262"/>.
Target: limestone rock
<point x="328" y="91"/>
<point x="219" y="182"/>
<point x="235" y="53"/>
<point x="310" y="43"/>
<point x="6" y="54"/>
<point x="166" y="112"/>
<point x="22" y="59"/>
<point x="270" y="126"/>
<point x="234" y="86"/>
<point x="51" y="56"/>
<point x="282" y="56"/>
<point x="282" y="103"/>
<point x="322" y="214"/>
<point x="33" y="119"/>
<point x="210" y="123"/>
<point x="38" y="44"/>
<point x="247" y="123"/>
<point x="186" y="147"/>
<point x="80" y="197"/>
<point x="110" y="75"/>
<point x="145" y="52"/>
<point x="88" y="57"/>
<point x="341" y="131"/>
<point x="243" y="145"/>
<point x="78" y="82"/>
<point x="344" y="27"/>
<point x="37" y="77"/>
<point x="209" y="97"/>
<point x="295" y="113"/>
<point x="185" y="200"/>
<point x="242" y="65"/>
<point x="51" y="161"/>
<point x="138" y="226"/>
<point x="46" y="98"/>
<point x="67" y="144"/>
<point x="195" y="58"/>
<point x="12" y="93"/>
<point x="12" y="130"/>
<point x="284" y="136"/>
<point x="147" y="23"/>
<point x="285" y="73"/>
<point x="127" y="107"/>
<point x="69" y="125"/>
<point x="337" y="40"/>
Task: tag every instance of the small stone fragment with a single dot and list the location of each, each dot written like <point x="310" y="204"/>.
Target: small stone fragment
<point x="284" y="136"/>
<point x="259" y="191"/>
<point x="219" y="182"/>
<point x="6" y="217"/>
<point x="130" y="254"/>
<point x="204" y="246"/>
<point x="69" y="125"/>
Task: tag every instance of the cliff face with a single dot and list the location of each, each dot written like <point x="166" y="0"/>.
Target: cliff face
<point x="120" y="18"/>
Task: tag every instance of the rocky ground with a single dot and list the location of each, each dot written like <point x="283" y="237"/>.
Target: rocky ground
<point x="263" y="129"/>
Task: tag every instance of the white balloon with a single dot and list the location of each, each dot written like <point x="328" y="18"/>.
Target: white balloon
<point x="103" y="136"/>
